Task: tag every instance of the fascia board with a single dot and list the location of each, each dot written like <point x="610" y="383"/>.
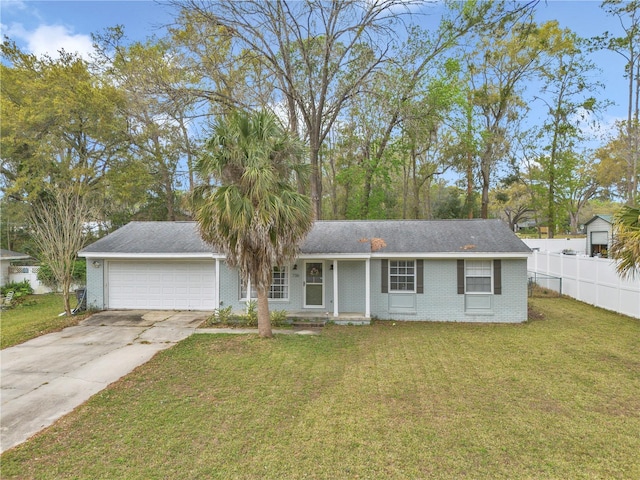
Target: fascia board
<point x="306" y="256"/>
<point x="334" y="256"/>
<point x="165" y="256"/>
<point x="448" y="255"/>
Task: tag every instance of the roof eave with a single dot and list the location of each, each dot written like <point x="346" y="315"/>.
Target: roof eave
<point x="165" y="256"/>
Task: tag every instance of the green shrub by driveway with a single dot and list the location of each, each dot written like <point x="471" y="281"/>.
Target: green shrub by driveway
<point x="557" y="397"/>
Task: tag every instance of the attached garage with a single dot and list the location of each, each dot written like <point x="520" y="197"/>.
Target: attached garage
<point x="161" y="285"/>
<point x="152" y="266"/>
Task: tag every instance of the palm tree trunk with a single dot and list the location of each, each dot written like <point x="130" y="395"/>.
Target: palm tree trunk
<point x="264" y="322"/>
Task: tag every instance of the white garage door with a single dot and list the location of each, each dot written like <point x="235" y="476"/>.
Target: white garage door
<point x="161" y="285"/>
<point x="599" y="238"/>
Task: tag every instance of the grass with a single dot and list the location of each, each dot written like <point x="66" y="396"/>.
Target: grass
<point x="36" y="315"/>
<point x="557" y="397"/>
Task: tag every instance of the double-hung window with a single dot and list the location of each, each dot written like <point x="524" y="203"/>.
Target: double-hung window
<point x="279" y="289"/>
<point x="478" y="276"/>
<point x="402" y="275"/>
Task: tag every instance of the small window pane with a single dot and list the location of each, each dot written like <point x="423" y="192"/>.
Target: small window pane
<point x="478" y="276"/>
<point x="279" y="286"/>
<point x="278" y="290"/>
<point x="402" y="275"/>
<point x="478" y="284"/>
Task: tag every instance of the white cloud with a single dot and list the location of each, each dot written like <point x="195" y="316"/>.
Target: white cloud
<point x="50" y="39"/>
<point x="596" y="128"/>
<point x="13" y="5"/>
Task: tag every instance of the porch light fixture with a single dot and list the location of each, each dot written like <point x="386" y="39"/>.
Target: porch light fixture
<point x="295" y="266"/>
<point x="96" y="264"/>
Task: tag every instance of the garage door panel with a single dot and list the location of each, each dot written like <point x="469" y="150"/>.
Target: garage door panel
<point x="161" y="285"/>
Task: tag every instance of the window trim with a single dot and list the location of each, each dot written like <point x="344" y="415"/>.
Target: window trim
<point x="490" y="277"/>
<point x="415" y="275"/>
<point x="248" y="288"/>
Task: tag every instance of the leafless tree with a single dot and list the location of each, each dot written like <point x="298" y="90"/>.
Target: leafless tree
<point x="317" y="53"/>
<point x="59" y="219"/>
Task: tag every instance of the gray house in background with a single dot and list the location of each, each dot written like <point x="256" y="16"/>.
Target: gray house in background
<point x="441" y="270"/>
<point x="6" y="258"/>
<point x="599" y="233"/>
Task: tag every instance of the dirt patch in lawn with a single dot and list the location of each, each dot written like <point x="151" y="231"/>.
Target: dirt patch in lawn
<point x="533" y="314"/>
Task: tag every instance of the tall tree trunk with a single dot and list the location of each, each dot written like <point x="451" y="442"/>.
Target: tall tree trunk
<point x="428" y="214"/>
<point x="636" y="138"/>
<point x="573" y="220"/>
<point x="66" y="286"/>
<point x="631" y="172"/>
<point x="552" y="179"/>
<point x="264" y="322"/>
<point x="189" y="153"/>
<point x="316" y="181"/>
<point x="469" y="185"/>
<point x="416" y="184"/>
<point x="334" y="189"/>
<point x="366" y="194"/>
<point x="551" y="229"/>
<point x="405" y="191"/>
<point x="368" y="180"/>
<point x="484" y="170"/>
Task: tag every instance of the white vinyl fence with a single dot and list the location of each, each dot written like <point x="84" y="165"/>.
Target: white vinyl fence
<point x="30" y="273"/>
<point x="591" y="280"/>
<point x="577" y="245"/>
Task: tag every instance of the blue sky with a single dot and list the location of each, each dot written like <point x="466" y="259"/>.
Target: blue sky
<point x="46" y="26"/>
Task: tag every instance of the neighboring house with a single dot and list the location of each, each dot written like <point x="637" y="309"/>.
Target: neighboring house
<point x="599" y="232"/>
<point x="445" y="270"/>
<point x="6" y="257"/>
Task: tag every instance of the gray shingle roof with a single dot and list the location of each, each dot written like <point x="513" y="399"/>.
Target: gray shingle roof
<point x="152" y="237"/>
<point x="413" y="236"/>
<point x="11" y="255"/>
<point x="330" y="237"/>
<point x="606" y="218"/>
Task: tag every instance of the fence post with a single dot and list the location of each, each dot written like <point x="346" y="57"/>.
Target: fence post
<point x="577" y="276"/>
<point x="597" y="281"/>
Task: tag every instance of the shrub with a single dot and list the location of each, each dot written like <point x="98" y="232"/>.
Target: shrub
<point x="20" y="290"/>
<point x="252" y="313"/>
<point x="278" y="317"/>
<point x="78" y="274"/>
<point x="224" y="316"/>
<point x="221" y="316"/>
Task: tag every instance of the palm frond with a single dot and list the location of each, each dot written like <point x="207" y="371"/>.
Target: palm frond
<point x="625" y="247"/>
<point x="257" y="217"/>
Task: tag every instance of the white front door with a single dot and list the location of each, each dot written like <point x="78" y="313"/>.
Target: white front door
<point x="314" y="284"/>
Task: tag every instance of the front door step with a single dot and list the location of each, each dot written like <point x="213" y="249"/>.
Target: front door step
<point x="308" y="323"/>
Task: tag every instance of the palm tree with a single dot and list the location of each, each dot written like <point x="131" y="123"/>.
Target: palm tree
<point x="626" y="241"/>
<point x="256" y="216"/>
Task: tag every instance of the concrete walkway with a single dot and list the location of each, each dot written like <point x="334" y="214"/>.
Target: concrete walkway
<point x="47" y="377"/>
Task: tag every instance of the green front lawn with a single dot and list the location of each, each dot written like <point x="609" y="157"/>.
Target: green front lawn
<point x="36" y="315"/>
<point x="557" y="397"/>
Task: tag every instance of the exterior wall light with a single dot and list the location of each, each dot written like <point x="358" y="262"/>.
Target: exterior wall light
<point x="96" y="264"/>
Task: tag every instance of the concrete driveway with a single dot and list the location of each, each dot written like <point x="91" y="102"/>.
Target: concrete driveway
<point x="47" y="377"/>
